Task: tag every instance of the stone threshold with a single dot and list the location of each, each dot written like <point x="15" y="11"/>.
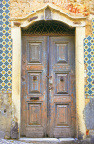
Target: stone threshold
<point x="48" y="140"/>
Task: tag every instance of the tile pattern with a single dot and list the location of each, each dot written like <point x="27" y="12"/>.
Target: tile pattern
<point x="6" y="52"/>
<point x="5" y="46"/>
<point x="89" y="63"/>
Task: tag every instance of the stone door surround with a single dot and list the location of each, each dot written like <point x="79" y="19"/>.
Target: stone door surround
<point x="50" y="13"/>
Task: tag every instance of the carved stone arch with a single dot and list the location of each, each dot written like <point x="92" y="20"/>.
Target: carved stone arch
<point x="45" y="14"/>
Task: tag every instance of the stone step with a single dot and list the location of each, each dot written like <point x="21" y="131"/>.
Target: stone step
<point x="48" y="140"/>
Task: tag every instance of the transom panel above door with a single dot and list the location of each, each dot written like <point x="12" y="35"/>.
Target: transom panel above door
<point x="48" y="86"/>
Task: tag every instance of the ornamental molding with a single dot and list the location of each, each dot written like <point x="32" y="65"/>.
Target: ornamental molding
<point x="48" y="12"/>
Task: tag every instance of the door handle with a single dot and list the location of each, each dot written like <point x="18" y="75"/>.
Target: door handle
<point x="50" y="88"/>
<point x="50" y="82"/>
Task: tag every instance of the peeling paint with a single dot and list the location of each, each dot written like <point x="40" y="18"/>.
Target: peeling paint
<point x="14" y="123"/>
<point x="89" y="113"/>
<point x="14" y="131"/>
<point x="5" y="114"/>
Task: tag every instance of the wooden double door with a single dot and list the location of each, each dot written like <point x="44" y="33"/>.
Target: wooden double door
<point x="48" y="86"/>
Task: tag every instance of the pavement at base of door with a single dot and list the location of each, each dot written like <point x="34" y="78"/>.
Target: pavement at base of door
<point x="5" y="141"/>
<point x="12" y="141"/>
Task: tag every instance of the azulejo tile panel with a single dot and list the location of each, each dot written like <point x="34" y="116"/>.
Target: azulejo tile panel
<point x="6" y="52"/>
<point x="5" y="46"/>
<point x="89" y="63"/>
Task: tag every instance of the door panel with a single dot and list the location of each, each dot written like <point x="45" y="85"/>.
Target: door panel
<point x="61" y="52"/>
<point x="34" y="114"/>
<point x="48" y="87"/>
<point x="34" y="52"/>
<point x="62" y="91"/>
<point x="61" y="113"/>
<point x="61" y="83"/>
<point x="34" y="87"/>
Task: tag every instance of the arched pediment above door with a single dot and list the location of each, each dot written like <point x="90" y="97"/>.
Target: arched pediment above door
<point x="48" y="12"/>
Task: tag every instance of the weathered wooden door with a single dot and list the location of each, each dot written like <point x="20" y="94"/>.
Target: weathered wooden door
<point x="48" y="87"/>
<point x="62" y="87"/>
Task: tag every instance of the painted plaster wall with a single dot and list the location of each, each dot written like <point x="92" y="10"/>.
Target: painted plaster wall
<point x="21" y="8"/>
<point x="5" y="114"/>
<point x="6" y="65"/>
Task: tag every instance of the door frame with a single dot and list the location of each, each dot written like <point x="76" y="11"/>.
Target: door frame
<point x="79" y="24"/>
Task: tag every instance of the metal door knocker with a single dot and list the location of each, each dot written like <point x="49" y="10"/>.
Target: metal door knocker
<point x="61" y="79"/>
<point x="34" y="78"/>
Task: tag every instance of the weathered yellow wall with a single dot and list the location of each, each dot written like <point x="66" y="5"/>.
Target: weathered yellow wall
<point x="88" y="28"/>
<point x="20" y="8"/>
<point x="5" y="114"/>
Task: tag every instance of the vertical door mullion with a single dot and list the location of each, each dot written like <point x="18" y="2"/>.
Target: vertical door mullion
<point x="47" y="85"/>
